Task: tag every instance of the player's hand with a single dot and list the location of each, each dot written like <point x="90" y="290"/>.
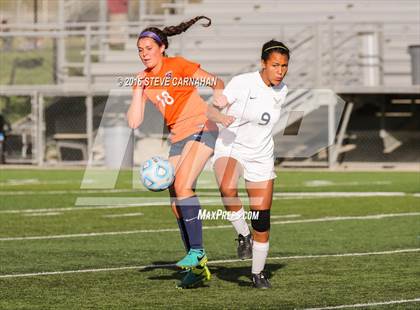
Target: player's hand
<point x="226" y="120"/>
<point x="220" y="101"/>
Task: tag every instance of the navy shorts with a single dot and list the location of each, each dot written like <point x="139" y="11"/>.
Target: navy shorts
<point x="207" y="137"/>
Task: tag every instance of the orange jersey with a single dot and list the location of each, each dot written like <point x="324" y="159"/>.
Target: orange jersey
<point x="183" y="109"/>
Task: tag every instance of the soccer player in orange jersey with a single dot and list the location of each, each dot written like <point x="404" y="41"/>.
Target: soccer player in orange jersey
<point x="166" y="82"/>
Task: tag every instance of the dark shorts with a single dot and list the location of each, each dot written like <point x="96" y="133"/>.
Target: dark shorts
<point x="206" y="137"/>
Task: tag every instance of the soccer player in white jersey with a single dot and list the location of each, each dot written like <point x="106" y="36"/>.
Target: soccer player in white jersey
<point x="245" y="148"/>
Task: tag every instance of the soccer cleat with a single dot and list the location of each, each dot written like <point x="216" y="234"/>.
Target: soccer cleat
<point x="244" y="246"/>
<point x="260" y="281"/>
<point x="195" y="276"/>
<point x="194" y="258"/>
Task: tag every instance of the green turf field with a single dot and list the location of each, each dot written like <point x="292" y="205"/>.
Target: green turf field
<point x="360" y="245"/>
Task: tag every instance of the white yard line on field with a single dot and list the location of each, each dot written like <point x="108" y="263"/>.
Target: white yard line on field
<point x="319" y="183"/>
<point x="18" y="182"/>
<point x="341" y="194"/>
<point x="145" y="204"/>
<point x="215" y="262"/>
<point x="60" y="192"/>
<point x="371" y="304"/>
<point x="285" y="216"/>
<point x="123" y="215"/>
<point x="216" y="193"/>
<point x="347" y="218"/>
<point x="92" y="203"/>
<point x="207" y="197"/>
<point x="114" y="233"/>
<point x="42" y="214"/>
<point x="320" y="194"/>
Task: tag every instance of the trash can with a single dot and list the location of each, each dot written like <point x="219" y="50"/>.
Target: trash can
<point x="119" y="147"/>
<point x="370" y="58"/>
<point x="118" y="138"/>
<point x="414" y="51"/>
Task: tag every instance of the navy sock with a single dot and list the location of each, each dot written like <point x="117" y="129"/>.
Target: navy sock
<point x="190" y="208"/>
<point x="184" y="234"/>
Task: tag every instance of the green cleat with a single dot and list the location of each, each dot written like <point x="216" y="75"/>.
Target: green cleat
<point x="194" y="277"/>
<point x="194" y="258"/>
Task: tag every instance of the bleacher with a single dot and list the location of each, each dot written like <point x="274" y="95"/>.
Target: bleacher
<point x="337" y="45"/>
<point x="325" y="35"/>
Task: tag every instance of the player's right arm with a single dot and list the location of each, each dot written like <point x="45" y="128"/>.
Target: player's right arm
<point x="230" y="95"/>
<point x="216" y="116"/>
<point x="217" y="110"/>
<point x="135" y="113"/>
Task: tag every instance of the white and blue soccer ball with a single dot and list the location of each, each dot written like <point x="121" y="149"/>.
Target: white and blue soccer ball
<point x="157" y="174"/>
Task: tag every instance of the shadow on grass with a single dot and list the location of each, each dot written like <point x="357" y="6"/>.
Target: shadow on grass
<point x="175" y="273"/>
<point x="229" y="274"/>
<point x="164" y="265"/>
<point x="237" y="274"/>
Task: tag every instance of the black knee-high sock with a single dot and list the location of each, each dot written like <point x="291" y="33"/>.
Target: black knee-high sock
<point x="190" y="208"/>
<point x="184" y="234"/>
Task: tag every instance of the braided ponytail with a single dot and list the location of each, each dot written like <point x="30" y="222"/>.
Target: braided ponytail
<point x="182" y="27"/>
<point x="161" y="36"/>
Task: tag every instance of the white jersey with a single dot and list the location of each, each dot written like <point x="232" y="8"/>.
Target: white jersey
<point x="257" y="108"/>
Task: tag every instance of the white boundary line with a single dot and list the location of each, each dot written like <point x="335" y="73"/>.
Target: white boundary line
<point x="342" y="194"/>
<point x="382" y="303"/>
<point x="113" y="233"/>
<point x="123" y="215"/>
<point x="75" y="191"/>
<point x="25" y="182"/>
<point x="92" y="203"/>
<point x="325" y="183"/>
<point x="223" y="261"/>
<point x="284" y="216"/>
<point x="85" y="207"/>
<point x="43" y="214"/>
<point x="17" y="211"/>
<point x="216" y="193"/>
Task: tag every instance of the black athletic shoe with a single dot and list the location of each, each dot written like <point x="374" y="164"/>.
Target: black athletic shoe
<point x="260" y="281"/>
<point x="244" y="246"/>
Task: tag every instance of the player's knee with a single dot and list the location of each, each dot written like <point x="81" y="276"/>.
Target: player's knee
<point x="228" y="191"/>
<point x="181" y="189"/>
<point x="261" y="236"/>
<point x="176" y="212"/>
<point x="261" y="223"/>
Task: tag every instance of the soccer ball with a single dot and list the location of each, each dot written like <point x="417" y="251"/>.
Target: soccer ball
<point x="157" y="174"/>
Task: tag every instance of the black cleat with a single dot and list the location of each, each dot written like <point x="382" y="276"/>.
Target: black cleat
<point x="244" y="246"/>
<point x="260" y="281"/>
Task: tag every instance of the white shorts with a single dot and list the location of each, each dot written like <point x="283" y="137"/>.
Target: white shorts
<point x="253" y="170"/>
